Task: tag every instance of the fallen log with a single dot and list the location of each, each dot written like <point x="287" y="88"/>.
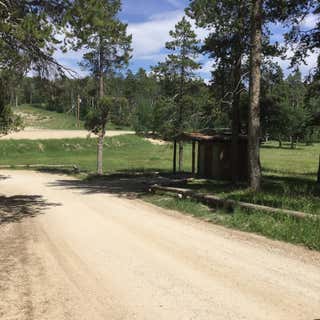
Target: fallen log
<point x="231" y="204"/>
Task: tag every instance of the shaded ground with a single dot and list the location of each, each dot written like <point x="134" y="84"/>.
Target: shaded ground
<point x="98" y="256"/>
<point x="125" y="184"/>
<point x="19" y="207"/>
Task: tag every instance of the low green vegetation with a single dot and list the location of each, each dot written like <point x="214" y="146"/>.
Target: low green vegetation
<point x="304" y="232"/>
<point x="289" y="173"/>
<point x="123" y="153"/>
<point x="300" y="161"/>
<point x="289" y="180"/>
<point x="37" y="116"/>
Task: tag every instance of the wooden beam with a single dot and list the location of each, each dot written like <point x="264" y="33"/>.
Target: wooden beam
<point x="232" y="204"/>
<point x="318" y="179"/>
<point x="193" y="157"/>
<point x="198" y="160"/>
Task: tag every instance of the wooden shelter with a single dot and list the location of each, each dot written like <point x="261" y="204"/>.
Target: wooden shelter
<point x="315" y="122"/>
<point x="211" y="155"/>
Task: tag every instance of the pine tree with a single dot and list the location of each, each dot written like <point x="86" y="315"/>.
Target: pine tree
<point x="247" y="21"/>
<point x="306" y="40"/>
<point x="254" y="93"/>
<point x="27" y="41"/>
<point x="99" y="31"/>
<point x="263" y="12"/>
<point x="227" y="44"/>
<point x="180" y="66"/>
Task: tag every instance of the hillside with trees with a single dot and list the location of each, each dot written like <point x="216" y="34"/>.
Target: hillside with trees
<point x="159" y="159"/>
<point x="248" y="93"/>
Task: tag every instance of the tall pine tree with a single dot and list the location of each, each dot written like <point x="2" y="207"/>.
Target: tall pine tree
<point x="180" y="67"/>
<point x="247" y="21"/>
<point x="227" y="44"/>
<point x="104" y="37"/>
<point x="28" y="39"/>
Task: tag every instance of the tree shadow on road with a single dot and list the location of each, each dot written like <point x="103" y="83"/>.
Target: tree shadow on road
<point x="16" y="208"/>
<point x="124" y="184"/>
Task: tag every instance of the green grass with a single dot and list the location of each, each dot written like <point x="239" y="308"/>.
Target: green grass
<point x="303" y="232"/>
<point x="39" y="117"/>
<point x="289" y="180"/>
<point x="123" y="153"/>
<point x="301" y="161"/>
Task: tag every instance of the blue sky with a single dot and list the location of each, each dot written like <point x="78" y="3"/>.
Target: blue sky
<point x="149" y="22"/>
<point x="135" y="11"/>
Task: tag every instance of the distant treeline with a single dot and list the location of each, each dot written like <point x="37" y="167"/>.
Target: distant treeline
<point x="288" y="105"/>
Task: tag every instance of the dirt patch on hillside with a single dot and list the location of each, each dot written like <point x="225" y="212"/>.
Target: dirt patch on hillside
<point x="42" y="134"/>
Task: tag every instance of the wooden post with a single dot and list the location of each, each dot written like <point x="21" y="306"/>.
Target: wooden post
<point x="193" y="157"/>
<point x="198" y="162"/>
<point x="318" y="180"/>
<point x="175" y="156"/>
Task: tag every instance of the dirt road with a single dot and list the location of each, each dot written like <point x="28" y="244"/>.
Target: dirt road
<point x="78" y="253"/>
<point x="37" y="134"/>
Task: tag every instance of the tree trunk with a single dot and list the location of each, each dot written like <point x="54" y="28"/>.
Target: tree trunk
<point x="236" y="98"/>
<point x="78" y="110"/>
<point x="11" y="97"/>
<point x="100" y="154"/>
<point x="291" y="142"/>
<point x="101" y="85"/>
<point x="2" y="95"/>
<point x="102" y="133"/>
<point x="101" y="80"/>
<point x="175" y="156"/>
<point x="318" y="178"/>
<point x="255" y="88"/>
<point x="182" y="82"/>
<point x="180" y="156"/>
<point x="236" y="120"/>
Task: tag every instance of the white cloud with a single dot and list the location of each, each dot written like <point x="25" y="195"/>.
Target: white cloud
<point x="158" y="57"/>
<point x="310" y="21"/>
<point x="207" y="67"/>
<point x="70" y="59"/>
<point x="149" y="37"/>
<point x="69" y="55"/>
<point x="176" y="3"/>
<point x="305" y="68"/>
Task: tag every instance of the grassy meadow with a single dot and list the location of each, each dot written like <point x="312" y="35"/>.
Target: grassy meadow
<point x="289" y="180"/>
<point x="123" y="153"/>
<point x="37" y="116"/>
